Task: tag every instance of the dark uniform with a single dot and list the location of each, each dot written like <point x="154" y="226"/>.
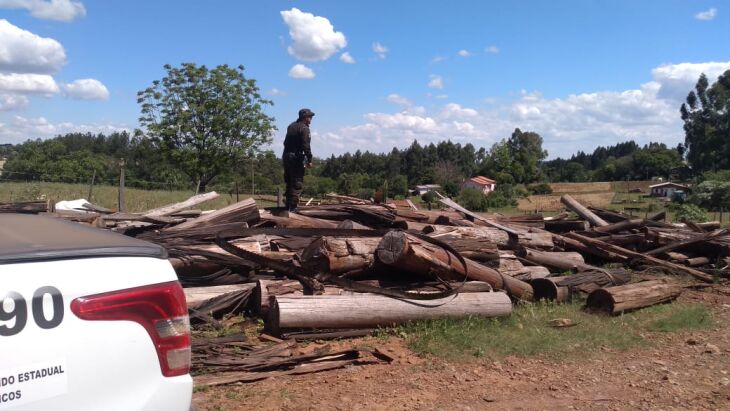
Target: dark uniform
<point x="297" y="153"/>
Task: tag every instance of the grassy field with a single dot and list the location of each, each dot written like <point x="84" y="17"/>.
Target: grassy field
<point x="527" y="332"/>
<point x="106" y="196"/>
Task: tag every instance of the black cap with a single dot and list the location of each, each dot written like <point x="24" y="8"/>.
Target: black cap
<point x="305" y="112"/>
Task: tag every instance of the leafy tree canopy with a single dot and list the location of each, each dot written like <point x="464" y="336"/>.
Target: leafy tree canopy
<point x="205" y="121"/>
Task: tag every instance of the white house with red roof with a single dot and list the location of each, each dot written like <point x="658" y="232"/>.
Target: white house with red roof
<point x="481" y="183"/>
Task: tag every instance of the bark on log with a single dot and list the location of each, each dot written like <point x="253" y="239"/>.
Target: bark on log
<point x="371" y="310"/>
<point x="340" y="255"/>
<point x="582" y="211"/>
<point x="400" y="250"/>
<point x="564" y="226"/>
<point x="593" y="278"/>
<point x="616" y="300"/>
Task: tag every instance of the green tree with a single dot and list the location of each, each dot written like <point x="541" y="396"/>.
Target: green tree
<point x="706" y="116"/>
<point x="526" y="153"/>
<point x="204" y="120"/>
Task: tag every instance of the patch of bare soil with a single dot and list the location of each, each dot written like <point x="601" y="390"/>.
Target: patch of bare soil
<point x="681" y="370"/>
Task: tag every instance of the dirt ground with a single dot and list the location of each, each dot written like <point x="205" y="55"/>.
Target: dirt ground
<point x="680" y="370"/>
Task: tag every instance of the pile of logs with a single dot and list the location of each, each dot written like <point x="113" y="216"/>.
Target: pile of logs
<point x="353" y="264"/>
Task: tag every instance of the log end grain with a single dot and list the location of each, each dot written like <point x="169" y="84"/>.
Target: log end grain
<point x="392" y="247"/>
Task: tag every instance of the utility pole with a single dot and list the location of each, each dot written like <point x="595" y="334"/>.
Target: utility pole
<point x="252" y="180"/>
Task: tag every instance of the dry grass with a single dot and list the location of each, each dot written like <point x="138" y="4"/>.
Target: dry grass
<point x="580" y="187"/>
<point x="552" y="202"/>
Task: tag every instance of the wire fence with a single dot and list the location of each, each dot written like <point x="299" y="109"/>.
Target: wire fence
<point x="25" y="186"/>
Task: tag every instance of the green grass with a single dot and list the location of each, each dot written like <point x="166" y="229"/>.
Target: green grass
<point x="691" y="317"/>
<point x="527" y="332"/>
<point x="136" y="200"/>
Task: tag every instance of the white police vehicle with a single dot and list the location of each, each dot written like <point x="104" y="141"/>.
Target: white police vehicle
<point x="89" y="320"/>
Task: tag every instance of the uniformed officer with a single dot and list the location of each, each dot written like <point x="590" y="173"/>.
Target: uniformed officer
<point x="297" y="156"/>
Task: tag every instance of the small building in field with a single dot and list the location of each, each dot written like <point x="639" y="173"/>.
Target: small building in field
<point x="668" y="189"/>
<point x="425" y="188"/>
<point x="481" y="183"/>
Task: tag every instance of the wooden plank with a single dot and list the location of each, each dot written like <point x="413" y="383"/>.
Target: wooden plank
<point x="177" y="207"/>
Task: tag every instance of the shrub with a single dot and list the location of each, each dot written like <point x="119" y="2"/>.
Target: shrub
<point x="540" y="188"/>
<point x="690" y="212"/>
<point x="473" y="199"/>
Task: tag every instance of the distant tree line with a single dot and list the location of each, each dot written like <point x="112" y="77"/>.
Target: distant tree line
<point x="205" y="129"/>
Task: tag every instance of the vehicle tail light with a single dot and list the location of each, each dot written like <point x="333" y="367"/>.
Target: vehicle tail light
<point x="159" y="308"/>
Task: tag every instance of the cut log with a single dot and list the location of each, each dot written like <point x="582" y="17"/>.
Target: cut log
<point x="564" y="226"/>
<point x="590" y="279"/>
<point x="697" y="261"/>
<point x="243" y="211"/>
<point x="548" y="289"/>
<point x="559" y="261"/>
<point x="532" y="272"/>
<point x="177" y="207"/>
<point x="616" y="300"/>
<point x="451" y="203"/>
<point x="26" y="207"/>
<point x="371" y="310"/>
<point x="340" y="255"/>
<point x="621" y="226"/>
<point x="267" y="289"/>
<point x="526" y="237"/>
<point x="641" y="257"/>
<point x="408" y="253"/>
<point x="570" y="244"/>
<point x="582" y="211"/>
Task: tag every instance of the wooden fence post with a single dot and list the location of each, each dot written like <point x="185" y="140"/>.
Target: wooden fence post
<point x="91" y="186"/>
<point x="121" y="203"/>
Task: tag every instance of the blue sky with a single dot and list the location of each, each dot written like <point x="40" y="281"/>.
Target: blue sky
<point x="580" y="73"/>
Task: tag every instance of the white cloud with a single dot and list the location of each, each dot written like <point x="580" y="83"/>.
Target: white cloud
<point x="10" y="102"/>
<point x="347" y="58"/>
<point x="492" y="50"/>
<point x="59" y="10"/>
<point x="87" y="89"/>
<point x="24" y="52"/>
<point x="314" y="38"/>
<point x="676" y="80"/>
<point x="276" y="92"/>
<point x="649" y="112"/>
<point x="707" y="14"/>
<point x="436" y="82"/>
<point x="28" y="83"/>
<point x="399" y="100"/>
<point x="453" y="110"/>
<point x="380" y="50"/>
<point x="437" y="59"/>
<point x="21" y="129"/>
<point x="300" y="71"/>
<point x="403" y="121"/>
<point x="464" y="53"/>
